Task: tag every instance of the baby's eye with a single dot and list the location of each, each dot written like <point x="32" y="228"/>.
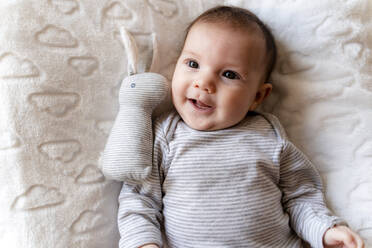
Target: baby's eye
<point x="231" y="75"/>
<point x="193" y="64"/>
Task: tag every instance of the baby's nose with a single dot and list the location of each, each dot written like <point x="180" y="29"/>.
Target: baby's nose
<point x="205" y="85"/>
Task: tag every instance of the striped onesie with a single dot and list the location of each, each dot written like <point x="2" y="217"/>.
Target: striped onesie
<point x="244" y="186"/>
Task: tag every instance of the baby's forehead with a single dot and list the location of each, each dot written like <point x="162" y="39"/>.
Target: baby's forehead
<point x="251" y="30"/>
<point x="235" y="45"/>
<point x="244" y="22"/>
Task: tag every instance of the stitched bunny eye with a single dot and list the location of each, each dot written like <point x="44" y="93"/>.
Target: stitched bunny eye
<point x="231" y="75"/>
<point x="193" y="64"/>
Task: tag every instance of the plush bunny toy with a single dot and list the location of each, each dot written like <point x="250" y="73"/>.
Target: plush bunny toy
<point x="128" y="152"/>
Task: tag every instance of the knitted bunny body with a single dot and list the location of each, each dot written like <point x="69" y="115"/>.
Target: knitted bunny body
<point x="128" y="152"/>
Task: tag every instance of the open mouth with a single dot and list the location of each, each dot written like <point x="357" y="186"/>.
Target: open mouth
<point x="199" y="105"/>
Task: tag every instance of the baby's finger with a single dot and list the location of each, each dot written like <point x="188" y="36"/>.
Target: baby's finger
<point x="356" y="239"/>
<point x="350" y="242"/>
<point x="345" y="235"/>
<point x="359" y="241"/>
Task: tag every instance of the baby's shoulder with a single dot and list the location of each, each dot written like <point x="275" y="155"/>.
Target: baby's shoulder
<point x="166" y="123"/>
<point x="267" y="122"/>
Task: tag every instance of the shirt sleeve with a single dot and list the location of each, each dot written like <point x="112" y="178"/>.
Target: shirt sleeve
<point x="303" y="197"/>
<point x="140" y="205"/>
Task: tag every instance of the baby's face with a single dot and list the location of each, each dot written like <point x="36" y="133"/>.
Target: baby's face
<point x="218" y="76"/>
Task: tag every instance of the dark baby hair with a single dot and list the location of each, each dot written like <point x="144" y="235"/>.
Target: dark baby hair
<point x="240" y="18"/>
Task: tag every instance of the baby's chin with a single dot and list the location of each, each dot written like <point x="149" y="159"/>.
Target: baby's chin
<point x="201" y="127"/>
<point x="197" y="124"/>
<point x="204" y="126"/>
<point x="209" y="124"/>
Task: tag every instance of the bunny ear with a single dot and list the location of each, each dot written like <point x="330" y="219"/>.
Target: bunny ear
<point x="131" y="50"/>
<point x="155" y="63"/>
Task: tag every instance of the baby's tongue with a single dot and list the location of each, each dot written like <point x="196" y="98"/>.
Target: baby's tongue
<point x="199" y="103"/>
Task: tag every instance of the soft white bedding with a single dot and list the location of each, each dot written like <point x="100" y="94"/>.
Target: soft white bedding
<point x="61" y="64"/>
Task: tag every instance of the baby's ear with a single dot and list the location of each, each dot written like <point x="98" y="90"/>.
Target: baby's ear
<point x="263" y="91"/>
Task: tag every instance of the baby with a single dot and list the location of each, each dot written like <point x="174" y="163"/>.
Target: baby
<point x="223" y="174"/>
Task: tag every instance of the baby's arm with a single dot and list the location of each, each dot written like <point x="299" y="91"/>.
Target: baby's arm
<point x="304" y="201"/>
<point x="140" y="206"/>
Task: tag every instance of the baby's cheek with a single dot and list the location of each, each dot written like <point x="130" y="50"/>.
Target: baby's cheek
<point x="175" y="93"/>
<point x="174" y="90"/>
<point x="240" y="107"/>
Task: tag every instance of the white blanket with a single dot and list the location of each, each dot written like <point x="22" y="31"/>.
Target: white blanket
<point x="61" y="64"/>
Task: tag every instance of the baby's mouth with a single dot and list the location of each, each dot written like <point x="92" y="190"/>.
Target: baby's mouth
<point x="200" y="104"/>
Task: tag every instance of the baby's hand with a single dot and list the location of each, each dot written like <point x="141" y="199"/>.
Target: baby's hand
<point x="149" y="246"/>
<point x="343" y="237"/>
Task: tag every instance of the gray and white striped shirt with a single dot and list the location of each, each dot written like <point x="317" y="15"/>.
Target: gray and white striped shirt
<point x="244" y="186"/>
